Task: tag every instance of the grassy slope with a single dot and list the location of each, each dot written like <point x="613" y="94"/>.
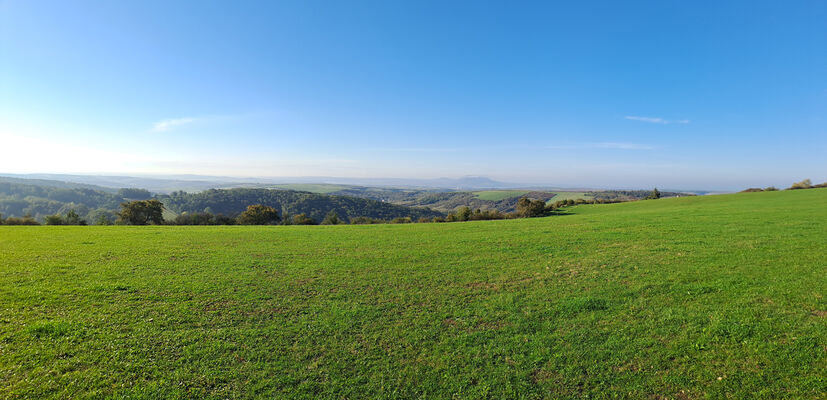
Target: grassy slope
<point x="569" y="195"/>
<point x="696" y="297"/>
<point x="497" y="195"/>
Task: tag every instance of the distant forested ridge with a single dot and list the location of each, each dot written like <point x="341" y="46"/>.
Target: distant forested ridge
<point x="42" y="197"/>
<point x="316" y="206"/>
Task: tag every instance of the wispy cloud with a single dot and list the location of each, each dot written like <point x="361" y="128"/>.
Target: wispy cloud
<point x="416" y="149"/>
<point x="602" y="145"/>
<point x="168" y="124"/>
<point x="571" y="146"/>
<point x="624" y="146"/>
<point x="657" y="120"/>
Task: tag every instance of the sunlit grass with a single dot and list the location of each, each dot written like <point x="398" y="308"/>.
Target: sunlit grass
<point x="695" y="297"/>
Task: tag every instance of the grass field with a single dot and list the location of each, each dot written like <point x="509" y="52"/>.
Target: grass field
<point x="497" y="195"/>
<point x="569" y="195"/>
<point x="687" y="298"/>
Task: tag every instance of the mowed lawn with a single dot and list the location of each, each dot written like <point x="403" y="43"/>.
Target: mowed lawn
<point x="688" y="298"/>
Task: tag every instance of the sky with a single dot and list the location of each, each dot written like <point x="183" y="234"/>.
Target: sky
<point x="676" y="94"/>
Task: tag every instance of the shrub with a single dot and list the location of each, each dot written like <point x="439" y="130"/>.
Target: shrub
<point x="54" y="220"/>
<point x="25" y="220"/>
<point x="401" y="220"/>
<point x="529" y="208"/>
<point x="332" y="219"/>
<point x="654" y="195"/>
<point x="303" y="219"/>
<point x="141" y="212"/>
<point x="72" y="218"/>
<point x="194" y="219"/>
<point x="259" y="214"/>
<point x="805" y="184"/>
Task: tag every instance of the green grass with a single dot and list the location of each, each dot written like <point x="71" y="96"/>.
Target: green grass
<point x="497" y="195"/>
<point x="321" y="188"/>
<point x="697" y="297"/>
<point x="569" y="195"/>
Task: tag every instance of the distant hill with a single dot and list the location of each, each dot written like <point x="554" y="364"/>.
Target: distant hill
<point x="193" y="183"/>
<point x="56" y="183"/>
<point x="39" y="198"/>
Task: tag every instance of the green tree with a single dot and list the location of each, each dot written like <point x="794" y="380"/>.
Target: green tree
<point x="805" y="184"/>
<point x="72" y="218"/>
<point x="331" y="219"/>
<point x="141" y="212"/>
<point x="463" y="213"/>
<point x="259" y="214"/>
<point x="55" y="219"/>
<point x="654" y="195"/>
<point x="103" y="220"/>
<point x="528" y="208"/>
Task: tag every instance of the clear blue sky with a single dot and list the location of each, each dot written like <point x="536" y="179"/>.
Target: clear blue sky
<point x="674" y="94"/>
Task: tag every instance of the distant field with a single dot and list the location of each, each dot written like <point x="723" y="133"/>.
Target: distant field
<point x="569" y="195"/>
<point x="685" y="298"/>
<point x="311" y="187"/>
<point x="497" y="195"/>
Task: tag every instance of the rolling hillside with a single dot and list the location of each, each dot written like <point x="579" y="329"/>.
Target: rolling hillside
<point x="687" y="298"/>
<point x="316" y="206"/>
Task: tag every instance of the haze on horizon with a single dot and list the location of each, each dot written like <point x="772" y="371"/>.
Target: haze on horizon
<point x="679" y="95"/>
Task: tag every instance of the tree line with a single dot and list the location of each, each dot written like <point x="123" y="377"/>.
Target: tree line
<point x="151" y="212"/>
<point x="805" y="184"/>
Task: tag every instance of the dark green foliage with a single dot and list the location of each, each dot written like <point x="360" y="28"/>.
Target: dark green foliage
<point x="202" y="219"/>
<point x="401" y="220"/>
<point x="315" y="206"/>
<point x="366" y="221"/>
<point x="141" y="212"/>
<point x="655" y="194"/>
<point x="72" y="218"/>
<point x="530" y="208"/>
<point x="463" y="213"/>
<point x="25" y="220"/>
<point x="135" y="194"/>
<point x="331" y="219"/>
<point x="303" y="219"/>
<point x="18" y="198"/>
<point x="805" y="184"/>
<point x="259" y="214"/>
<point x="54" y="220"/>
<point x="103" y="216"/>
